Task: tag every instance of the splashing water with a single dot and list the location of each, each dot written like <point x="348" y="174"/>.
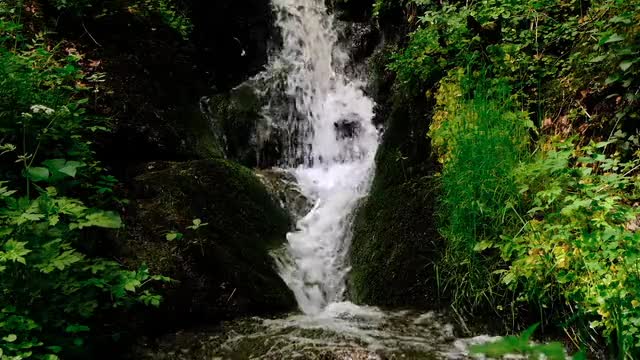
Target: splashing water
<point x="331" y="144"/>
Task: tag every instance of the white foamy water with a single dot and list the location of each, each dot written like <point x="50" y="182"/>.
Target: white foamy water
<point x="331" y="145"/>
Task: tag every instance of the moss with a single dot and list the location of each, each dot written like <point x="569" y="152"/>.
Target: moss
<point x="223" y="268"/>
<point x="236" y="114"/>
<point x="395" y="240"/>
<point x="203" y="136"/>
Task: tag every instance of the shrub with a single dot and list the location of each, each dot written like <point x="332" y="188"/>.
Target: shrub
<point x="51" y="290"/>
<point x="580" y="242"/>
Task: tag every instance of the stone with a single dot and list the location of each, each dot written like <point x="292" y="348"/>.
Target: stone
<point x="223" y="268"/>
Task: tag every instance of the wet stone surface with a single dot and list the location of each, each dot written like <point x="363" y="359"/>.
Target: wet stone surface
<point x="341" y="331"/>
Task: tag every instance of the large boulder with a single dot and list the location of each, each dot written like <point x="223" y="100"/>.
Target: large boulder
<point x="222" y="266"/>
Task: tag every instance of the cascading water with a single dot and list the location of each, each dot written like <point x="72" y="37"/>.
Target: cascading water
<point x="331" y="144"/>
<point x="322" y="119"/>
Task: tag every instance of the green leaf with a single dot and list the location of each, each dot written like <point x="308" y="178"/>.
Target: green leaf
<point x="625" y="65"/>
<point x="63" y="166"/>
<point x="483" y="245"/>
<point x="15" y="251"/>
<point x="131" y="284"/>
<point x="38" y="173"/>
<point x="614" y="38"/>
<point x="71" y="168"/>
<point x="104" y="219"/>
<point x="173" y="236"/>
<point x="54" y="164"/>
<point x="10" y="338"/>
<point x="526" y="335"/>
<point x="76" y="328"/>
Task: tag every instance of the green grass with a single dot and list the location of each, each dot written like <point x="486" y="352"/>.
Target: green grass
<point x="484" y="137"/>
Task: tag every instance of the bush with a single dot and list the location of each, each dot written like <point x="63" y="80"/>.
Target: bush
<point x="580" y="241"/>
<point x="167" y="10"/>
<point x="51" y="290"/>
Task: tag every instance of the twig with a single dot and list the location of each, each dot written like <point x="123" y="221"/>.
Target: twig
<point x="91" y="36"/>
<point x="230" y="296"/>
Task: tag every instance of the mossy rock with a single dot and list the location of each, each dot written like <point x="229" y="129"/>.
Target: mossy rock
<point x="395" y="243"/>
<point x="223" y="268"/>
<point x="236" y="115"/>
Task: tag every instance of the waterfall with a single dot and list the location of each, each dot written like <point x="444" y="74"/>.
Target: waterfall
<point x="330" y="148"/>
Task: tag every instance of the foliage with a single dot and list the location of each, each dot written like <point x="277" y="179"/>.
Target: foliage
<point x="580" y="240"/>
<point x="544" y="48"/>
<point x="167" y="10"/>
<point x="481" y="137"/>
<point x="51" y="287"/>
<point x="510" y="345"/>
<point x="558" y="226"/>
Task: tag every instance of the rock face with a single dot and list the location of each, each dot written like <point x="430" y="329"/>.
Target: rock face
<point x="395" y="241"/>
<point x="223" y="267"/>
<point x="352" y="10"/>
<point x="241" y="130"/>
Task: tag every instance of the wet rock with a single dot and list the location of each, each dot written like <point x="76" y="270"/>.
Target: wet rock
<point x="156" y="76"/>
<point x="352" y="10"/>
<point x="239" y="126"/>
<point x="391" y="336"/>
<point x="347" y="128"/>
<point x="395" y="239"/>
<point x="233" y="37"/>
<point x="222" y="267"/>
<point x="359" y="39"/>
<point x="283" y="187"/>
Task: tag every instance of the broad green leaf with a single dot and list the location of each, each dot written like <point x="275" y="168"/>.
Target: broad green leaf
<point x="482" y="245"/>
<point x="131" y="284"/>
<point x="38" y="173"/>
<point x="71" y="168"/>
<point x="104" y="219"/>
<point x="54" y="164"/>
<point x="63" y="166"/>
<point x="614" y="38"/>
<point x="10" y="338"/>
<point x="625" y="65"/>
<point x="173" y="236"/>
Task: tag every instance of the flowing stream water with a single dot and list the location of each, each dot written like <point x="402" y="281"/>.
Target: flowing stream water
<point x="331" y="144"/>
<point x="326" y="125"/>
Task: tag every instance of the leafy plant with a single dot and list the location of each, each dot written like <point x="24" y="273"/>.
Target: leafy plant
<point x="580" y="241"/>
<point x="52" y="287"/>
<point x="511" y="345"/>
<point x="170" y="13"/>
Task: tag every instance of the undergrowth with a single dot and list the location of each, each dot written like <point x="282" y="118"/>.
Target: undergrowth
<point x="535" y="127"/>
<point x="52" y="189"/>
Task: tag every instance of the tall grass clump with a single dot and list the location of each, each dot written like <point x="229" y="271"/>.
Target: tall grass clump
<point x="480" y="136"/>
